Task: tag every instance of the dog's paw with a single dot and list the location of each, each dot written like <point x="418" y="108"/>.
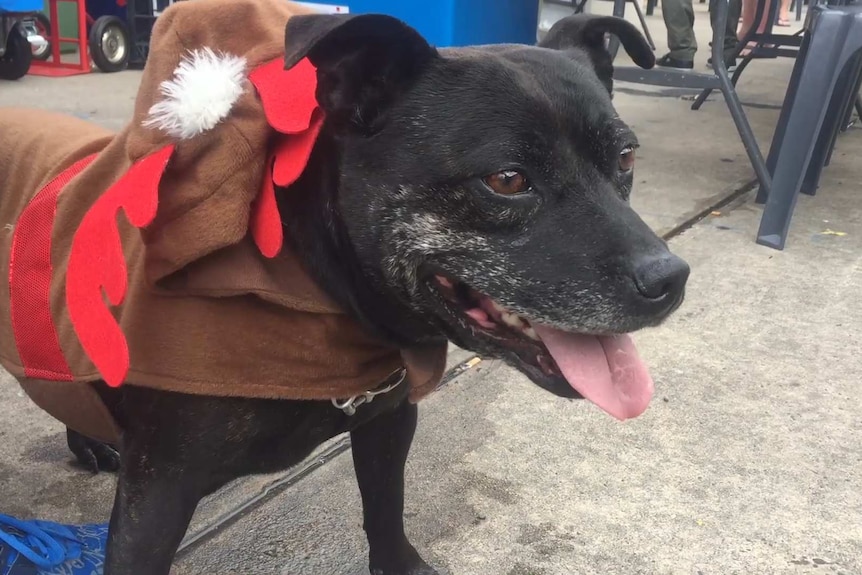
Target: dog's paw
<point x="94" y="455"/>
<point x="407" y="564"/>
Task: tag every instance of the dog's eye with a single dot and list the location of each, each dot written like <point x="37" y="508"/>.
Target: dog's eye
<point x="627" y="159"/>
<point x="507" y="183"/>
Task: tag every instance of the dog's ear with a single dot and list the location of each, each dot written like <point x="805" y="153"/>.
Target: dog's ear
<point x="364" y="61"/>
<point x="587" y="32"/>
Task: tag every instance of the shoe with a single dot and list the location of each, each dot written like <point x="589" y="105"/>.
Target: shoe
<point x="729" y="64"/>
<point x="667" y="61"/>
<point x="46" y="548"/>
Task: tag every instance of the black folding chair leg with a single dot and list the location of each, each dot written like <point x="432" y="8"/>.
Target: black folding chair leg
<point x="746" y="134"/>
<point x="643" y="23"/>
<point x="781" y="125"/>
<point x="704" y="94"/>
<point x="804" y="121"/>
<point x="852" y="100"/>
<point x="740" y="68"/>
<point x="650" y="8"/>
<point x="835" y="110"/>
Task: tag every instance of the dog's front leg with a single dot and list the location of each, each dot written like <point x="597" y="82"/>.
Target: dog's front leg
<point x="154" y="503"/>
<point x="380" y="450"/>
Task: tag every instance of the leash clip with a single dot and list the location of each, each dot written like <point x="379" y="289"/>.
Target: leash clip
<point x="348" y="406"/>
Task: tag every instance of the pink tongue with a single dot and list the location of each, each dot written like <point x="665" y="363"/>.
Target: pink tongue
<point x="606" y="370"/>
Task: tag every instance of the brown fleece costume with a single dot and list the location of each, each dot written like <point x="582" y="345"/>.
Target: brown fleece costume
<point x="181" y="234"/>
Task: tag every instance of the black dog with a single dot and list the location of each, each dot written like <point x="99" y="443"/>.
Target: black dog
<point x="478" y="195"/>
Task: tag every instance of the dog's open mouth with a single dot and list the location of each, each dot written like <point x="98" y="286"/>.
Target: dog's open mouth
<point x="606" y="370"/>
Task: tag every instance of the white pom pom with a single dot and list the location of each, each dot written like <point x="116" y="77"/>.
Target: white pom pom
<point x="204" y="88"/>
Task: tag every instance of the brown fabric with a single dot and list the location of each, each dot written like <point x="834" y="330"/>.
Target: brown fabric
<point x="213" y="178"/>
<point x="77" y="405"/>
<point x="29" y="159"/>
<point x="205" y="313"/>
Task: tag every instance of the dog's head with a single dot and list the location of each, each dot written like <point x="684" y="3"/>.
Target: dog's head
<point x="482" y="194"/>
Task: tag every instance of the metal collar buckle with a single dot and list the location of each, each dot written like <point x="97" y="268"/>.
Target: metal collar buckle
<point x="348" y="406"/>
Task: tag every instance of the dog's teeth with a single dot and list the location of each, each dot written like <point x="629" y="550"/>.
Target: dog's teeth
<point x="481" y="318"/>
<point x="547" y="364"/>
<point x="512" y="320"/>
<point x="445" y="282"/>
<point x="531" y="333"/>
<point x="497" y="306"/>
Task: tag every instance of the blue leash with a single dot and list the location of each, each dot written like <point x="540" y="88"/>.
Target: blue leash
<point x="47" y="548"/>
<point x="39" y="541"/>
<point x="51" y="548"/>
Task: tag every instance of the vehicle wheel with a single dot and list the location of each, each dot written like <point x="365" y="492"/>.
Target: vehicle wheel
<point x="16" y="61"/>
<point x="110" y="45"/>
<point x="43" y="26"/>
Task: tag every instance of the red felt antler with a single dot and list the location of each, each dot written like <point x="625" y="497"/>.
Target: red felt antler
<point x="292" y="153"/>
<point x="96" y="263"/>
<point x="289" y="97"/>
<point x="265" y="221"/>
<point x="291" y="108"/>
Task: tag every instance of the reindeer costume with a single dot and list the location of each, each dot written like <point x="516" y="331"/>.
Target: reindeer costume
<point x="155" y="257"/>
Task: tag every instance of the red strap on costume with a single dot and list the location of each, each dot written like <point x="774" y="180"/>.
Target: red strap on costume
<point x="290" y="104"/>
<point x="96" y="263"/>
<point x="30" y="272"/>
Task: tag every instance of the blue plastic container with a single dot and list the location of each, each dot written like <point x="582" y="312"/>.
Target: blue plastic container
<point x="458" y="22"/>
<point x="21" y="5"/>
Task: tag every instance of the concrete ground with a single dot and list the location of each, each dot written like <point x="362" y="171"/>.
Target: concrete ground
<point x="748" y="461"/>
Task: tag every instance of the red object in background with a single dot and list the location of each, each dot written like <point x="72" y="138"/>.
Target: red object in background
<point x="55" y="67"/>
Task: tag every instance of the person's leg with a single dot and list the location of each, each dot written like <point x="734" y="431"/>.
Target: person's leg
<point x="749" y="11"/>
<point x="764" y="20"/>
<point x="749" y="8"/>
<point x="734" y="7"/>
<point x="679" y="19"/>
<point x="784" y="13"/>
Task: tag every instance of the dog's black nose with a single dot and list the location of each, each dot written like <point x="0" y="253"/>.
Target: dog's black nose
<point x="660" y="276"/>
